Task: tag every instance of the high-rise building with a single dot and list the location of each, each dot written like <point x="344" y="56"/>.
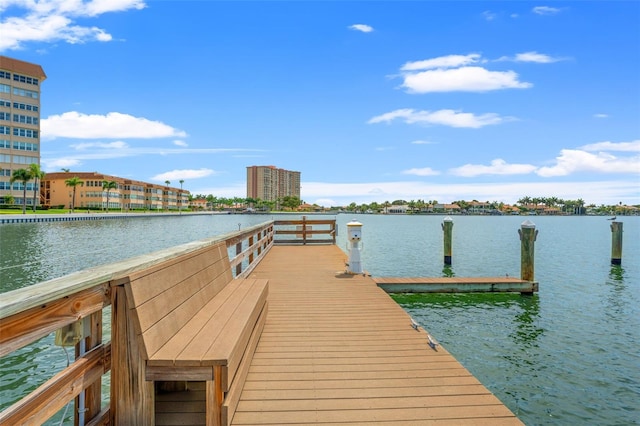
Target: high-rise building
<point x="268" y="183"/>
<point x="19" y="124"/>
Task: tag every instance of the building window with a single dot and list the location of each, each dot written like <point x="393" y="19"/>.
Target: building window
<point x="25" y="79"/>
<point x="25" y="93"/>
<point x="25" y="146"/>
<point x="25" y="119"/>
<point x="5" y="88"/>
<point x="22" y="159"/>
<point x="25" y="133"/>
<point x="5" y="130"/>
<point x="25" y="107"/>
<point x="4" y="116"/>
<point x="5" y="74"/>
<point x="5" y="103"/>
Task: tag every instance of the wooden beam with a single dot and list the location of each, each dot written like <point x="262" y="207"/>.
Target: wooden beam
<point x="132" y="397"/>
<point x="56" y="392"/>
<point x="23" y="328"/>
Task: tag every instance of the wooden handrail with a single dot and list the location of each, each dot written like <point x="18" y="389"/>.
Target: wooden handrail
<point x="305" y="230"/>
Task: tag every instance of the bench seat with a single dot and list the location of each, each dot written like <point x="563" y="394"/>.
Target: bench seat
<point x="192" y="321"/>
<point x="216" y="335"/>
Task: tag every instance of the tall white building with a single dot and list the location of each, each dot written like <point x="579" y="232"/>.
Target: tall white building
<point x="19" y="123"/>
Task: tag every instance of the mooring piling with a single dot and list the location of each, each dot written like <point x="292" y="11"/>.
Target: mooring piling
<point x="616" y="243"/>
<point x="447" y="227"/>
<point x="528" y="234"/>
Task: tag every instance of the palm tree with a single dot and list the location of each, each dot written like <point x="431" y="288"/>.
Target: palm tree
<point x="108" y="186"/>
<point x="36" y="173"/>
<point x="180" y="197"/>
<point x="24" y="176"/>
<point x="73" y="182"/>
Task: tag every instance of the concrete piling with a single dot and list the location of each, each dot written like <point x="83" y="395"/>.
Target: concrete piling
<point x="528" y="234"/>
<point x="447" y="227"/>
<point x="616" y="243"/>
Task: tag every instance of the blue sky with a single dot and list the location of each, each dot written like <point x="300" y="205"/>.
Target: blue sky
<point x="370" y="101"/>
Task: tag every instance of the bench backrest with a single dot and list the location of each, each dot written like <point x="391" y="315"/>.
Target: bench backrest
<point x="164" y="297"/>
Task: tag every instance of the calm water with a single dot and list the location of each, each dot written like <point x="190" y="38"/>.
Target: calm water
<point x="568" y="355"/>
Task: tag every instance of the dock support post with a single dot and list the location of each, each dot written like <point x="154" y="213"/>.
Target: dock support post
<point x="528" y="236"/>
<point x="447" y="227"/>
<point x="616" y="243"/>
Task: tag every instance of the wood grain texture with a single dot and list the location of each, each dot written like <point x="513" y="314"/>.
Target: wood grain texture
<point x="336" y="349"/>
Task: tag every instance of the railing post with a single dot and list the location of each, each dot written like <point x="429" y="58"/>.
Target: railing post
<point x="251" y="239"/>
<point x="304" y="230"/>
<point x="239" y="265"/>
<point x="334" y="231"/>
<point x="91" y="400"/>
<point x="616" y="243"/>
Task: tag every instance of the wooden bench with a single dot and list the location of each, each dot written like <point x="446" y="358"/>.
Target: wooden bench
<point x="191" y="321"/>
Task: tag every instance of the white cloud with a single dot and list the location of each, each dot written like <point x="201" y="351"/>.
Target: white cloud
<point x="545" y="10"/>
<point x="55" y="164"/>
<point x="488" y="15"/>
<point x="103" y="145"/>
<point x="449" y="61"/>
<point x="633" y="146"/>
<point x="535" y="57"/>
<point x="465" y="79"/>
<point x="361" y="27"/>
<point x="98" y="7"/>
<point x="497" y="167"/>
<point x="445" y="117"/>
<point x="422" y="142"/>
<point x="180" y="143"/>
<point x="457" y="73"/>
<point x="85" y="152"/>
<point x="113" y="125"/>
<point x="600" y="115"/>
<point x="575" y="161"/>
<point x="598" y="192"/>
<point x="176" y="175"/>
<point x="54" y="20"/>
<point x="425" y="171"/>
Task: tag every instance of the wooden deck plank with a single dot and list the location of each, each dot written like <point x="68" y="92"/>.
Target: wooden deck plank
<point x="371" y="415"/>
<point x="289" y="394"/>
<point x="327" y="404"/>
<point x="336" y="349"/>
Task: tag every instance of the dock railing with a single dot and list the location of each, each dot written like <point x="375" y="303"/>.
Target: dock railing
<point x="73" y="307"/>
<point x="305" y="231"/>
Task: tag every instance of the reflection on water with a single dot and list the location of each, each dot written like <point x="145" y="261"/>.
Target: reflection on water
<point x="447" y="271"/>
<point x="523" y="311"/>
<point x="618" y="296"/>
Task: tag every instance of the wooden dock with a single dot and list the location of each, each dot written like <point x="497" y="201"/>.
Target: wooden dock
<point x="337" y="350"/>
<point x="456" y="285"/>
<point x="333" y="349"/>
